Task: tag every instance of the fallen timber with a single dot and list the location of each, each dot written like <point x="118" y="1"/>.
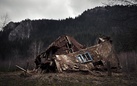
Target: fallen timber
<point x="66" y="54"/>
<point x="21" y="68"/>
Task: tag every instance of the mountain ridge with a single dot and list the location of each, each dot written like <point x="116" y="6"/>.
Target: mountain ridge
<point x="118" y="22"/>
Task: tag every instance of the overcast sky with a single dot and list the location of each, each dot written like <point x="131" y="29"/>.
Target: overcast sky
<point x="18" y="10"/>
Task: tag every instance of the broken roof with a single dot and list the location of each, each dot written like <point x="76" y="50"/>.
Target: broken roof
<point x="66" y="53"/>
<point x="88" y="58"/>
<point x="62" y="45"/>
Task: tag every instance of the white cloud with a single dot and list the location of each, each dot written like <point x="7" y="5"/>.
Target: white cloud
<point x="49" y="9"/>
<point x="80" y="6"/>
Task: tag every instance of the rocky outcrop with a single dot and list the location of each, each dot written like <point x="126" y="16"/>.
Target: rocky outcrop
<point x="21" y="31"/>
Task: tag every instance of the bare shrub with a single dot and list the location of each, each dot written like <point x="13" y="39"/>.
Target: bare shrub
<point x="128" y="61"/>
<point x="9" y="65"/>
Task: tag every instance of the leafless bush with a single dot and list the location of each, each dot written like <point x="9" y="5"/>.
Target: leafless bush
<point x="128" y="61"/>
<point x="9" y="65"/>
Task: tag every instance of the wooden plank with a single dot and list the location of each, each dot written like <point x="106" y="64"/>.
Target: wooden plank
<point x="21" y="68"/>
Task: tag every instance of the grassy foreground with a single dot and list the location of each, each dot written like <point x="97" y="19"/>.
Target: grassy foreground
<point x="66" y="79"/>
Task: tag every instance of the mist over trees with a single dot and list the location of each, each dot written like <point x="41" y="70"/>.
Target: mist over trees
<point x="122" y="2"/>
<point x="4" y="20"/>
<point x="28" y="38"/>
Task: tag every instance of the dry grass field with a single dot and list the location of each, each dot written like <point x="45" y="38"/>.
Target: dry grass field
<point x="67" y="79"/>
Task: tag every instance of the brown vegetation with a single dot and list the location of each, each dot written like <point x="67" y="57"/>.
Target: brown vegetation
<point x="66" y="79"/>
<point x="128" y="61"/>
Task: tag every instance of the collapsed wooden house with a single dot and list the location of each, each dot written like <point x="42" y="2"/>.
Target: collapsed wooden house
<point x="62" y="45"/>
<point x="66" y="54"/>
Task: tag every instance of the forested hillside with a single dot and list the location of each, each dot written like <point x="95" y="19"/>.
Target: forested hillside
<point x="28" y="38"/>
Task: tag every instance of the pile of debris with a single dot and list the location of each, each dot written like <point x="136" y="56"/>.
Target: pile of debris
<point x="65" y="54"/>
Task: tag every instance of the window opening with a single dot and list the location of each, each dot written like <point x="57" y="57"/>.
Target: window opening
<point x="86" y="57"/>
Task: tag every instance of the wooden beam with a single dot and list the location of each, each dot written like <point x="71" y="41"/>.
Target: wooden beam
<point x="21" y="68"/>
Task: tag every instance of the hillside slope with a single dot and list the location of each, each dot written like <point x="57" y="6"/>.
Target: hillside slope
<point x="30" y="37"/>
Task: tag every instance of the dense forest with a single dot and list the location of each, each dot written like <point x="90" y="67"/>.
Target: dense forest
<point x="28" y="38"/>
